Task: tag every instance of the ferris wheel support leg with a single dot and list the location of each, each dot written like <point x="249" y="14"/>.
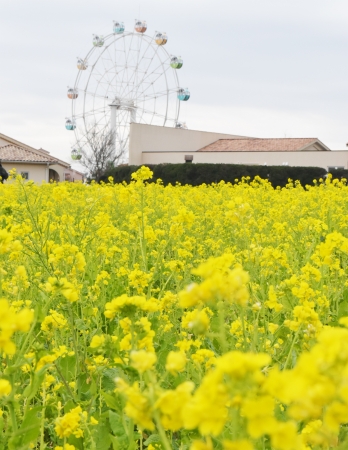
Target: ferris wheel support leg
<point x="133" y="115"/>
<point x="113" y="123"/>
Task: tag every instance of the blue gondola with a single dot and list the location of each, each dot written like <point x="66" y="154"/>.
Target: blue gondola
<point x="183" y="94"/>
<point x="70" y="124"/>
<point x="118" y="27"/>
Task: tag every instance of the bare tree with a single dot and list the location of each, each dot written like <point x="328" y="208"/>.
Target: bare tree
<point x="101" y="152"/>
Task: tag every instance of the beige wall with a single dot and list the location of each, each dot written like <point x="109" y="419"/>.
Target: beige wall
<point x="151" y="138"/>
<point x="61" y="170"/>
<point x="37" y="172"/>
<point x="3" y="142"/>
<point x="304" y="158"/>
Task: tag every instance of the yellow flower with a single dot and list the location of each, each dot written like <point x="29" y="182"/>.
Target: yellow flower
<point x="343" y="321"/>
<point x="5" y="387"/>
<point x="49" y="379"/>
<point x="197" y="320"/>
<point x="65" y="447"/>
<point x="53" y="321"/>
<point x="176" y="362"/>
<point x="11" y="321"/>
<point x="64" y="287"/>
<point x="259" y="412"/>
<point x="201" y="445"/>
<point x="97" y="341"/>
<point x="204" y="356"/>
<point x="284" y="436"/>
<point x="238" y="364"/>
<point x="138" y="406"/>
<point x="5" y="241"/>
<point x="69" y="424"/>
<point x="142" y="174"/>
<point x="142" y="360"/>
<point x="207" y="410"/>
<point x="272" y="301"/>
<point x="172" y="403"/>
<point x="123" y="304"/>
<point x="335" y="415"/>
<point x="240" y="444"/>
<point x="220" y="283"/>
<point x="273" y="327"/>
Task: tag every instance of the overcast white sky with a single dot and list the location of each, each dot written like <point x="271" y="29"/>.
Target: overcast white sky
<point x="263" y="68"/>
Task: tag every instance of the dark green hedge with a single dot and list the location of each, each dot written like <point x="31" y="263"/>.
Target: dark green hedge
<point x="196" y="174"/>
<point x="339" y="173"/>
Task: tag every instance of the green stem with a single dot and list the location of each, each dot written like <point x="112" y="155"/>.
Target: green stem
<point x="222" y="332"/>
<point x="65" y="383"/>
<point x="243" y="327"/>
<point x="162" y="433"/>
<point x="291" y="348"/>
<point x="22" y="350"/>
<point x="71" y="314"/>
<point x="42" y="434"/>
<point x="13" y="415"/>
<point x="131" y="435"/>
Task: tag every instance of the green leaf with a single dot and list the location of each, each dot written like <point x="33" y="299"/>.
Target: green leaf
<point x="342" y="309"/>
<point x="102" y="437"/>
<point x="83" y="387"/>
<point x="119" y="443"/>
<point x="152" y="439"/>
<point x="108" y="379"/>
<point x="76" y="442"/>
<point x="12" y="369"/>
<point x="36" y="381"/>
<point x="67" y="366"/>
<point x="110" y="400"/>
<point x="28" y="432"/>
<point x="116" y="424"/>
<point x="69" y="405"/>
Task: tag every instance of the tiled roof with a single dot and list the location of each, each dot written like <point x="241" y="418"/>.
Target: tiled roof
<point x="262" y="145"/>
<point x="14" y="153"/>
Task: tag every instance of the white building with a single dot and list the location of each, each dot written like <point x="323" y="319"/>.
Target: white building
<point x="151" y="144"/>
<point x="33" y="164"/>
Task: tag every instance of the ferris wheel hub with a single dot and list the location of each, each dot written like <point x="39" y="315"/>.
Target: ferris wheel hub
<point x="123" y="103"/>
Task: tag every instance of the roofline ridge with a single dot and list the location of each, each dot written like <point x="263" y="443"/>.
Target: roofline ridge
<point x="46" y="159"/>
<point x="260" y="139"/>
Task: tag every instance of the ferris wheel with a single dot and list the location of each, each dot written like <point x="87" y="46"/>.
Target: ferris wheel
<point x="126" y="77"/>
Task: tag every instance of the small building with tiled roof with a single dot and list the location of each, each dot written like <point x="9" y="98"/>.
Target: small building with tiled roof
<point x="151" y="144"/>
<point x="34" y="164"/>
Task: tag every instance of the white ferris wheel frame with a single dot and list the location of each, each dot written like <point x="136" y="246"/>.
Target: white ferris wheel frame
<point x="120" y="104"/>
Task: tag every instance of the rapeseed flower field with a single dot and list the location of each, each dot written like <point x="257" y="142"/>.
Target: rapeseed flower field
<point x="154" y="318"/>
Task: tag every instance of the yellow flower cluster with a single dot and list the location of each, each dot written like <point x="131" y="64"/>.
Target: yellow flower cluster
<point x="10" y="322"/>
<point x="210" y="317"/>
<point x="70" y="423"/>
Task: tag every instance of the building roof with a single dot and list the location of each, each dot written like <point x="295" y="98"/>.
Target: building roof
<point x="14" y="153"/>
<point x="40" y="151"/>
<point x="265" y="145"/>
